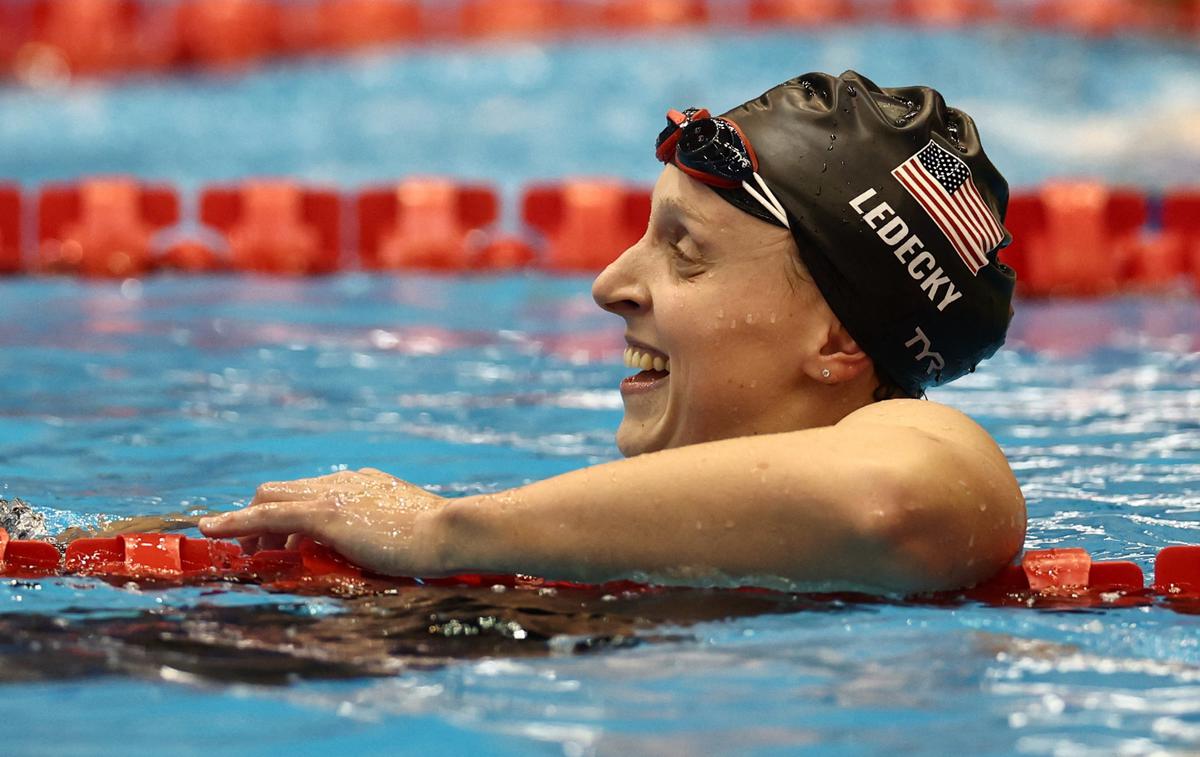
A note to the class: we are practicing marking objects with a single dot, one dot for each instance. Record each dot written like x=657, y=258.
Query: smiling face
x=719, y=297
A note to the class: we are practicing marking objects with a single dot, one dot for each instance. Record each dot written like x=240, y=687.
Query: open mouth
x=653, y=368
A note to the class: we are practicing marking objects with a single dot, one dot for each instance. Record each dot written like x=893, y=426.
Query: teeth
x=643, y=361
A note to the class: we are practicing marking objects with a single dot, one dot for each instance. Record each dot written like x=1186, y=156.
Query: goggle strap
x=772, y=205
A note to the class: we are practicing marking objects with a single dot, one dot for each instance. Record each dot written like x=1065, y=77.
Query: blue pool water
x=1047, y=106
x=171, y=395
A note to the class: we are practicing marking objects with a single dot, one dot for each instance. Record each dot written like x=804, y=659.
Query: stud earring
x=825, y=373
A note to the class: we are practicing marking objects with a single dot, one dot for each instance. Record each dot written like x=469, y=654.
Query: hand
x=350, y=483
x=373, y=519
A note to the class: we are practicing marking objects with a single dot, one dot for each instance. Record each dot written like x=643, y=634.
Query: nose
x=621, y=287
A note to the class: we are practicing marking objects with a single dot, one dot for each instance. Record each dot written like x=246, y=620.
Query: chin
x=632, y=439
x=627, y=446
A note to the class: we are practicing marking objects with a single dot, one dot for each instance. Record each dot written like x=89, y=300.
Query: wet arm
x=869, y=505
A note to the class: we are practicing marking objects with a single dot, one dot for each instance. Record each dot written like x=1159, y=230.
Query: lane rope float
x=1053, y=576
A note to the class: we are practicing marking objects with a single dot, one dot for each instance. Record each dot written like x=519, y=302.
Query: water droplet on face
x=749, y=317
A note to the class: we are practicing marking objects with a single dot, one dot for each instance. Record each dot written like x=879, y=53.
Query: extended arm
x=872, y=503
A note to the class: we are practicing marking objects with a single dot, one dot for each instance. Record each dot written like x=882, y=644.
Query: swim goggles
x=716, y=152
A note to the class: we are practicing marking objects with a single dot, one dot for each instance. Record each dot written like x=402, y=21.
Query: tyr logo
x=936, y=362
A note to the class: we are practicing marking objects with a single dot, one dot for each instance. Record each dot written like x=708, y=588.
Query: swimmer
x=815, y=259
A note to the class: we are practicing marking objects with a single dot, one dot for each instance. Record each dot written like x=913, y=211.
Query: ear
x=839, y=358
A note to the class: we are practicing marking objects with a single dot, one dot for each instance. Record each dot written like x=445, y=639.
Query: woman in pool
x=814, y=260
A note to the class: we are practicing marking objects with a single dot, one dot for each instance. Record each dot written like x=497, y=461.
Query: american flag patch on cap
x=941, y=182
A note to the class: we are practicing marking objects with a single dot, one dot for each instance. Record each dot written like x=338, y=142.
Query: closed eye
x=687, y=261
x=683, y=254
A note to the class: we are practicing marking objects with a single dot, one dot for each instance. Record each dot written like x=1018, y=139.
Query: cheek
x=719, y=325
x=747, y=347
x=696, y=318
x=748, y=326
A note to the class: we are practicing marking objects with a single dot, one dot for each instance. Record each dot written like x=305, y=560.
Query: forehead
x=679, y=194
x=720, y=226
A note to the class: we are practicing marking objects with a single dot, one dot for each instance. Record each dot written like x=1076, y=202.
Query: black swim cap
x=897, y=213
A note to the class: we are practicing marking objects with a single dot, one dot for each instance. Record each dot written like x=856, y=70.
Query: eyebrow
x=684, y=207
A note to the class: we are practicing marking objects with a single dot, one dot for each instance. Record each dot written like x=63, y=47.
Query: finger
x=309, y=488
x=286, y=491
x=253, y=544
x=249, y=544
x=283, y=518
x=272, y=541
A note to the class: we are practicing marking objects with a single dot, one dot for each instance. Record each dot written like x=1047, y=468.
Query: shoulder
x=932, y=441
x=923, y=418
x=960, y=511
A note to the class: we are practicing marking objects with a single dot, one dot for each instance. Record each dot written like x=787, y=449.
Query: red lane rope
x=1057, y=576
x=1075, y=238
x=50, y=41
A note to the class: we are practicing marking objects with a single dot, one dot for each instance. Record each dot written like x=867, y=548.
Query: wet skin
x=760, y=459
x=721, y=294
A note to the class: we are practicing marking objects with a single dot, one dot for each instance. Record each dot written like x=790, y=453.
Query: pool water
x=175, y=394
x=1048, y=106
x=179, y=395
